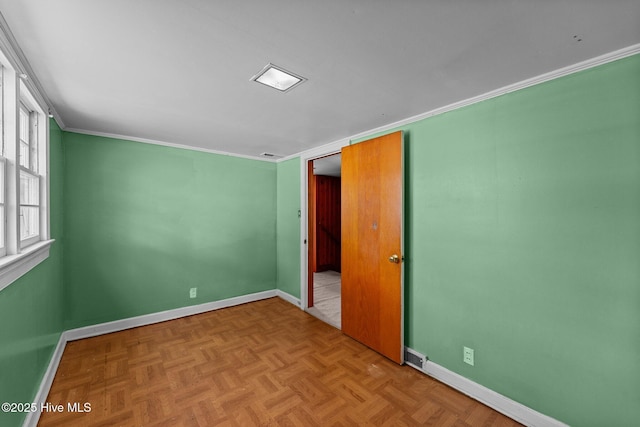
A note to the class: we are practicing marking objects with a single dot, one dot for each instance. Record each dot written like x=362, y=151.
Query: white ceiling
x=178, y=71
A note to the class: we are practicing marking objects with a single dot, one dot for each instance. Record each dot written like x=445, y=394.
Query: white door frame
x=305, y=157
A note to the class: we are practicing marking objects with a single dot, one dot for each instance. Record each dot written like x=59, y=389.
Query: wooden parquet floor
x=265, y=363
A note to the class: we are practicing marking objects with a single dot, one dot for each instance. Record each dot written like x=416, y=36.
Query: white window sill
x=12, y=267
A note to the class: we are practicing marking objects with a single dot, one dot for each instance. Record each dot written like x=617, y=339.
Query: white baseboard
x=289, y=298
x=500, y=403
x=162, y=316
x=41, y=396
x=492, y=399
x=32, y=418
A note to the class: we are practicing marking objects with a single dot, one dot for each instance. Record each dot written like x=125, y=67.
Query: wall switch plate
x=467, y=355
x=193, y=292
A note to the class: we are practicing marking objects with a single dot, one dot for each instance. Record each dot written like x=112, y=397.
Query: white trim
x=580, y=66
x=542, y=78
x=162, y=316
x=315, y=153
x=45, y=385
x=133, y=322
x=12, y=267
x=478, y=392
x=335, y=146
x=166, y=144
x=304, y=234
x=320, y=151
x=19, y=61
x=512, y=409
x=288, y=297
x=481, y=393
x=3, y=205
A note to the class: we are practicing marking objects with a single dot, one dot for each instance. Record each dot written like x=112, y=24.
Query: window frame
x=21, y=140
x=30, y=240
x=33, y=114
x=3, y=204
x=18, y=92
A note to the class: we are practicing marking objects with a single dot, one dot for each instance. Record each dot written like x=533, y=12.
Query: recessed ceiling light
x=278, y=78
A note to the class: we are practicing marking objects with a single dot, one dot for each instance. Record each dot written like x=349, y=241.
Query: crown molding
x=542, y=78
x=336, y=145
x=18, y=61
x=166, y=144
x=319, y=151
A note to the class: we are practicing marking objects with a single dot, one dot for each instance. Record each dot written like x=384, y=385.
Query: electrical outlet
x=467, y=355
x=193, y=292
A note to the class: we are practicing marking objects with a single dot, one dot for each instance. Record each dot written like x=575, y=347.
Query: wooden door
x=372, y=202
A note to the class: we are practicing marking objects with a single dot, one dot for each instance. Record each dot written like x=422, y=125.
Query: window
x=3, y=249
x=24, y=184
x=25, y=136
x=29, y=178
x=29, y=207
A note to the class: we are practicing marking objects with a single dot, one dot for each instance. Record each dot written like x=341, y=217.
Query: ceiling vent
x=270, y=155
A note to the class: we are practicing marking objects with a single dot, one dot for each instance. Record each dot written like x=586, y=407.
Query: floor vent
x=415, y=359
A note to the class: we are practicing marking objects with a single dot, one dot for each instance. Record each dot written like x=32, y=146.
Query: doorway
x=372, y=256
x=324, y=275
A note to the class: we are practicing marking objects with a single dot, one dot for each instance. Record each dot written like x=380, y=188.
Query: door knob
x=394, y=259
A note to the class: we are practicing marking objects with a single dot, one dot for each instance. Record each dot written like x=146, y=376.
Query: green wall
x=523, y=240
x=144, y=223
x=288, y=229
x=31, y=317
